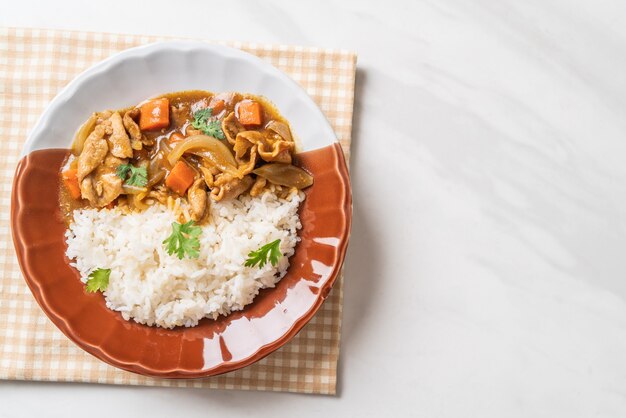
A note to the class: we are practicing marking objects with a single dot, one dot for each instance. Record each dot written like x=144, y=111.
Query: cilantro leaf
x=202, y=120
x=214, y=129
x=202, y=115
x=122, y=171
x=260, y=256
x=98, y=280
x=183, y=240
x=138, y=175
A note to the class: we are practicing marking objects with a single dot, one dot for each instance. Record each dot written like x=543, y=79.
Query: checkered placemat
x=34, y=65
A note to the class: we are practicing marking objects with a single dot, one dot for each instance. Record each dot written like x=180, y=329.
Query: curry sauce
x=183, y=150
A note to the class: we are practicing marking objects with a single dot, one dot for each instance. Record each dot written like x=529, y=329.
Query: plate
x=214, y=346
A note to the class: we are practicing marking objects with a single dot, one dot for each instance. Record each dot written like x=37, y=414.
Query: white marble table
x=486, y=275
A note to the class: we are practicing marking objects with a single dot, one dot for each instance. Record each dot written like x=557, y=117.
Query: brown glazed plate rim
x=38, y=286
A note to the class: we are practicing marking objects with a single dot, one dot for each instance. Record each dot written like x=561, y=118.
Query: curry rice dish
x=182, y=207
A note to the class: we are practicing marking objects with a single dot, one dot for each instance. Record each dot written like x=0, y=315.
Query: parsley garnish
x=98, y=280
x=138, y=175
x=260, y=256
x=184, y=240
x=209, y=127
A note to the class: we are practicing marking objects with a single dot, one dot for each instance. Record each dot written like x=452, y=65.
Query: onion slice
x=281, y=129
x=82, y=134
x=133, y=190
x=285, y=175
x=207, y=147
x=158, y=167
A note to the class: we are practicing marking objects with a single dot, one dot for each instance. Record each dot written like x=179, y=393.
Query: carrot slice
x=70, y=179
x=249, y=113
x=176, y=137
x=217, y=106
x=154, y=114
x=180, y=178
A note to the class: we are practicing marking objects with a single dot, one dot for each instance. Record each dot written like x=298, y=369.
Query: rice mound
x=152, y=287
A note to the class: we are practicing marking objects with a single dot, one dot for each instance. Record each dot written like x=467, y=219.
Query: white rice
x=154, y=288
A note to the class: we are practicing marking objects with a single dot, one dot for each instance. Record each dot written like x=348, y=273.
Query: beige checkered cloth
x=34, y=65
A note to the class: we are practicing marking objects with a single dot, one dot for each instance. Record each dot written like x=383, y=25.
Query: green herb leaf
x=260, y=256
x=122, y=171
x=98, y=280
x=203, y=115
x=202, y=120
x=138, y=175
x=183, y=240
